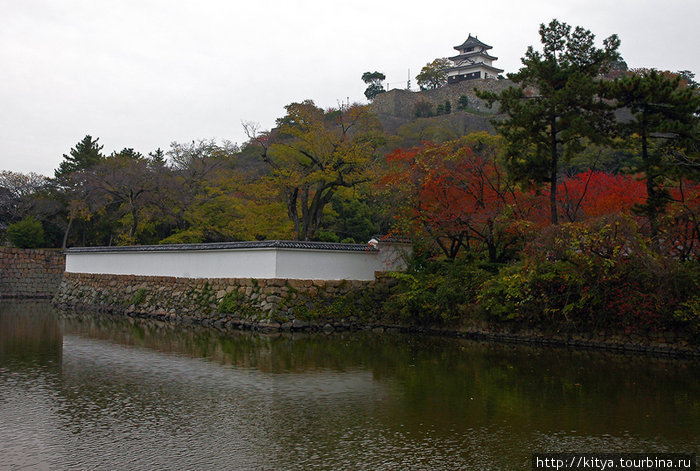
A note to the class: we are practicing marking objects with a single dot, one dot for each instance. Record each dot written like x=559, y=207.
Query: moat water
x=97, y=392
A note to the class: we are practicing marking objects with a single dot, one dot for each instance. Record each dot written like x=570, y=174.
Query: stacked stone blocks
x=30, y=273
x=238, y=302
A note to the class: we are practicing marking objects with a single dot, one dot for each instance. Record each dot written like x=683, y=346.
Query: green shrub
x=327, y=236
x=423, y=109
x=302, y=312
x=190, y=236
x=536, y=293
x=463, y=102
x=232, y=302
x=139, y=297
x=26, y=234
x=688, y=313
x=437, y=291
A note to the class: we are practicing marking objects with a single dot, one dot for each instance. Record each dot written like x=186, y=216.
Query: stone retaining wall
x=271, y=305
x=30, y=273
x=401, y=103
x=263, y=304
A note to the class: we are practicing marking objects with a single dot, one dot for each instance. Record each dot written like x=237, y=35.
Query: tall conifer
x=85, y=154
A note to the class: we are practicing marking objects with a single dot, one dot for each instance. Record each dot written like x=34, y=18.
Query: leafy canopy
x=313, y=153
x=433, y=74
x=26, y=234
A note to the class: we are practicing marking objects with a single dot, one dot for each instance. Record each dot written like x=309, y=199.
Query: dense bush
x=436, y=292
x=184, y=237
x=26, y=234
x=326, y=236
x=423, y=109
x=595, y=275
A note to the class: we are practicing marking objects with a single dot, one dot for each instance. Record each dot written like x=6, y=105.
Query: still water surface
x=97, y=392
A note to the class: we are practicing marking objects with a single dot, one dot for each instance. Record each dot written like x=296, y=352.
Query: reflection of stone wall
x=26, y=273
x=29, y=332
x=235, y=302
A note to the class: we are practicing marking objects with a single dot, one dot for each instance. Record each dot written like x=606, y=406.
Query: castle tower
x=472, y=62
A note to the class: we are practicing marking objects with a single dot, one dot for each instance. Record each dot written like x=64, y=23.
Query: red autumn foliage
x=593, y=194
x=457, y=194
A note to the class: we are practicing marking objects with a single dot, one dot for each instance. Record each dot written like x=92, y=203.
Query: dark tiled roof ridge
x=472, y=41
x=391, y=238
x=254, y=244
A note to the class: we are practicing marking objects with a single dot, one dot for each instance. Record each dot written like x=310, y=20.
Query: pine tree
x=560, y=108
x=666, y=125
x=374, y=81
x=85, y=154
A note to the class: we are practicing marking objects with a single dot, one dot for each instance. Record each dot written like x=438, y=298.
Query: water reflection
x=29, y=333
x=127, y=393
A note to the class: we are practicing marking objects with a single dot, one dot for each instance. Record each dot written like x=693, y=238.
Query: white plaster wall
x=327, y=265
x=240, y=263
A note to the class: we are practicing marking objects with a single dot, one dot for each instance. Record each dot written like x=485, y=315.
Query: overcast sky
x=144, y=73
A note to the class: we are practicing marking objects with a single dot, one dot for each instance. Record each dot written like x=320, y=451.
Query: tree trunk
x=135, y=222
x=553, y=170
x=65, y=234
x=292, y=196
x=651, y=208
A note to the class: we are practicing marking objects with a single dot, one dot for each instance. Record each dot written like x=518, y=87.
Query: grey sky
x=144, y=73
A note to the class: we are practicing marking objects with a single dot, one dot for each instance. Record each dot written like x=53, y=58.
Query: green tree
x=124, y=182
x=71, y=184
x=557, y=105
x=229, y=208
x=128, y=153
x=194, y=166
x=17, y=194
x=313, y=153
x=85, y=154
x=666, y=128
x=463, y=102
x=423, y=109
x=157, y=158
x=26, y=234
x=688, y=77
x=353, y=217
x=374, y=84
x=433, y=74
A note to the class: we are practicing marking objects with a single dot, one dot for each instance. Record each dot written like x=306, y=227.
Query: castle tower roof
x=471, y=42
